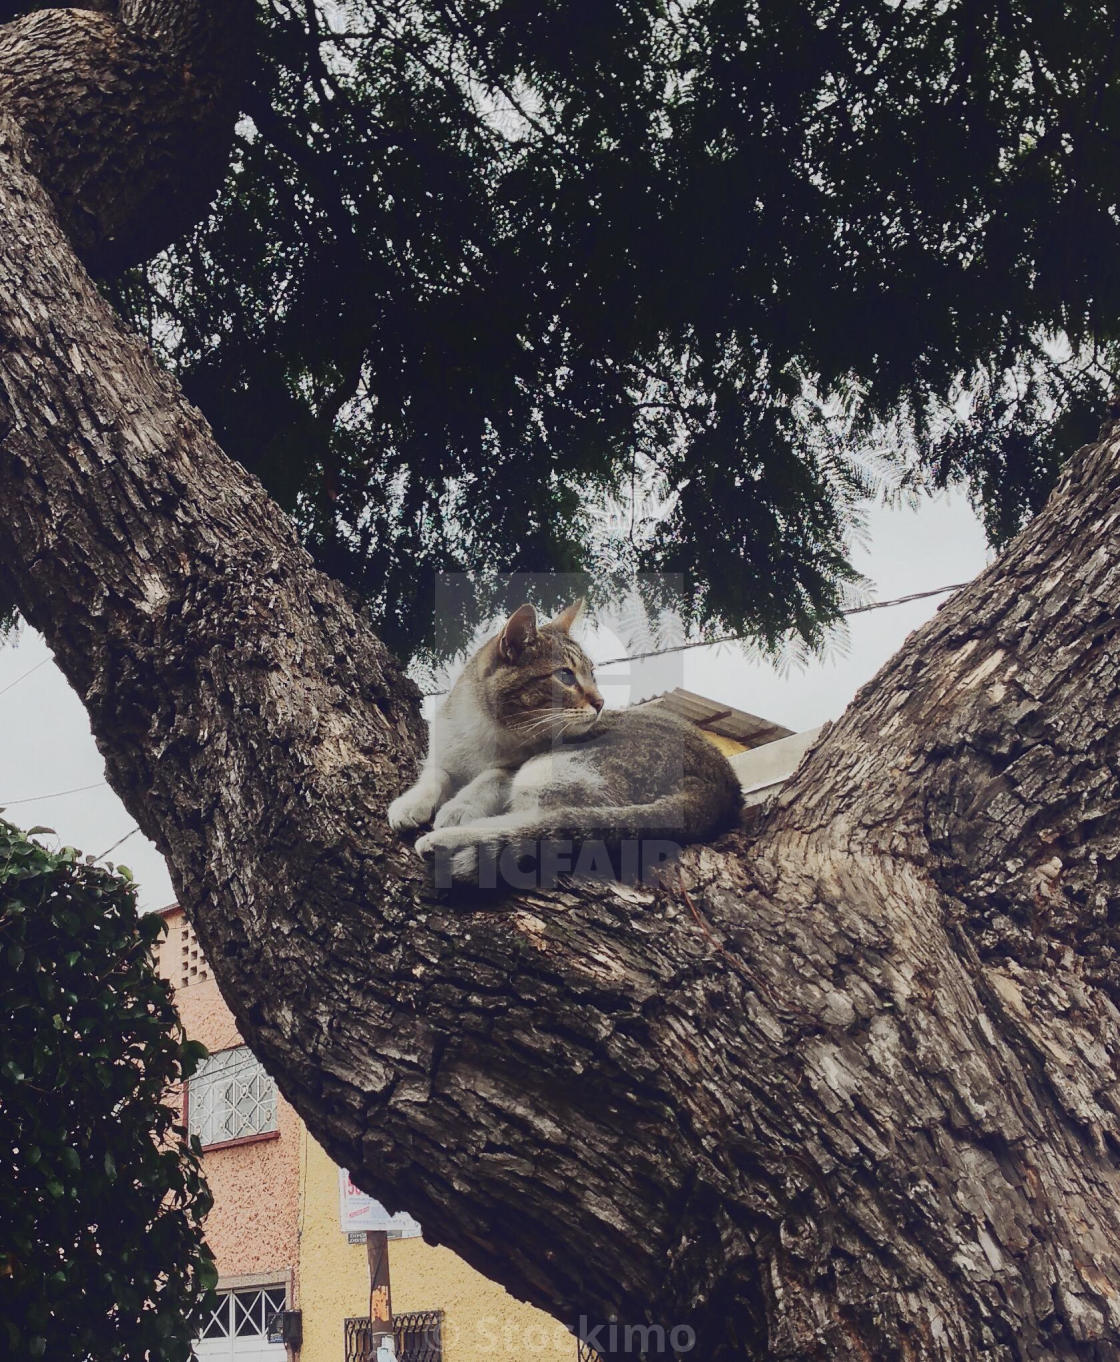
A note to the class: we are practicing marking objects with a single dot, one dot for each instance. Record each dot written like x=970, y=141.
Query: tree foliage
x=101, y=1248
x=503, y=285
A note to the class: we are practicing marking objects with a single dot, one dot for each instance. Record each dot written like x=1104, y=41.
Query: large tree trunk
x=846, y=1089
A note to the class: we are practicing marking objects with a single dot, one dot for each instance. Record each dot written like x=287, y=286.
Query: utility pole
x=383, y=1346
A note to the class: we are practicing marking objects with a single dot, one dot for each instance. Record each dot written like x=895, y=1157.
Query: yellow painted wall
x=481, y=1323
x=728, y=746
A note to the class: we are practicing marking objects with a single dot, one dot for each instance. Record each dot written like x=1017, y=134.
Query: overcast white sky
x=46, y=746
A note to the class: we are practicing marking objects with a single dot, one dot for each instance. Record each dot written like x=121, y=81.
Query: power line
x=739, y=638
x=904, y=600
x=118, y=842
x=34, y=799
x=25, y=675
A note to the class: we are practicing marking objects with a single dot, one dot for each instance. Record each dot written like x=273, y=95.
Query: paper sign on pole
x=358, y=1211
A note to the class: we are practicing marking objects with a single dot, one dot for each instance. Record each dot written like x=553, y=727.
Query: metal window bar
x=358, y=1340
x=419, y=1337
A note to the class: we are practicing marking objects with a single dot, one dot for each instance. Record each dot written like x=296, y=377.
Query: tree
x=101, y=1248
x=845, y=1088
x=636, y=255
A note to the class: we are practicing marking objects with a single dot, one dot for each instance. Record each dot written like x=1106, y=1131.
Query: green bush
x=101, y=1248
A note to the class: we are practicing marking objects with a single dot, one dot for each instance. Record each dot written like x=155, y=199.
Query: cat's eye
x=565, y=676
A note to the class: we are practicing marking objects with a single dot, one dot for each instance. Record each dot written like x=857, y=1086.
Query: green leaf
x=207, y=1274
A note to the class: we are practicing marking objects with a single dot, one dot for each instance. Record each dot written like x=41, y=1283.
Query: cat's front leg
x=417, y=805
x=485, y=795
x=458, y=853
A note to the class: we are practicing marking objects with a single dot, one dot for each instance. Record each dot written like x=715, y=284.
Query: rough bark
x=845, y=1088
x=129, y=115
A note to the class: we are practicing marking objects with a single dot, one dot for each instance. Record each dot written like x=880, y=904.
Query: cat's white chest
x=466, y=741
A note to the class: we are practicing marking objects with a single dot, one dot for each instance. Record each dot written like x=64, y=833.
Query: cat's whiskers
x=557, y=720
x=537, y=730
x=574, y=721
x=535, y=721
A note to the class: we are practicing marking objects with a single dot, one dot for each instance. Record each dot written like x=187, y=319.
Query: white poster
x=357, y=1211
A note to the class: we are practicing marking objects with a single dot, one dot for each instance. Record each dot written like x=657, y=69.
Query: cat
x=522, y=751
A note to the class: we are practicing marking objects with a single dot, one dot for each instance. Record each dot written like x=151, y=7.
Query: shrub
x=101, y=1248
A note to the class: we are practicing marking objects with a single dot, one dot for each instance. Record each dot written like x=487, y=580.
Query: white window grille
x=244, y=1314
x=230, y=1097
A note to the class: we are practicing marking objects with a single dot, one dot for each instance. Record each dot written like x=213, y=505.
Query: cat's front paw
x=454, y=860
x=455, y=812
x=411, y=809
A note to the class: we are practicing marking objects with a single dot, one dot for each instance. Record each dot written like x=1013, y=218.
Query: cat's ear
x=519, y=631
x=566, y=618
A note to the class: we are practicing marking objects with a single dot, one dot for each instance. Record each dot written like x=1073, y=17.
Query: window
x=238, y=1328
x=230, y=1098
x=244, y=1314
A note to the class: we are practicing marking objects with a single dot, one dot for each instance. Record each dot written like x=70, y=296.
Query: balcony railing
x=419, y=1337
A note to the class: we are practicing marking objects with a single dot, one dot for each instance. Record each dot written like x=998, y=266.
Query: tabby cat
x=521, y=752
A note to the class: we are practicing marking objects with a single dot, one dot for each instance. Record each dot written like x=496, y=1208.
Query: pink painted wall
x=254, y=1225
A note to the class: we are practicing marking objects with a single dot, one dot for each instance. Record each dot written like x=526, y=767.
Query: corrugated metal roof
x=723, y=720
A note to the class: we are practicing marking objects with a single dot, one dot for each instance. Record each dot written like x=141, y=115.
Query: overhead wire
x=24, y=675
x=118, y=842
x=57, y=794
x=739, y=638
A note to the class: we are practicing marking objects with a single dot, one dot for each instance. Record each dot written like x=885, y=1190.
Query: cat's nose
x=597, y=701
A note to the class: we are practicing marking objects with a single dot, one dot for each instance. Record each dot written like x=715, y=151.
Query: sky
x=52, y=775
